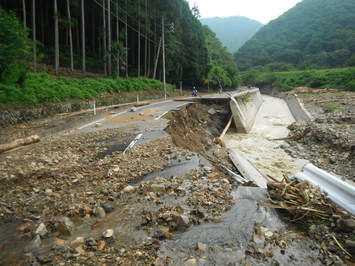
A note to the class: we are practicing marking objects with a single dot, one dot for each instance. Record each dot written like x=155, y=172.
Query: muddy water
x=259, y=147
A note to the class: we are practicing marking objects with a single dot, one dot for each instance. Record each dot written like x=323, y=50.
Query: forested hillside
x=116, y=37
x=233, y=31
x=315, y=34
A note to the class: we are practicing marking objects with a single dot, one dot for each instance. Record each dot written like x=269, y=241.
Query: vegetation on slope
x=223, y=68
x=43, y=88
x=342, y=78
x=186, y=49
x=314, y=34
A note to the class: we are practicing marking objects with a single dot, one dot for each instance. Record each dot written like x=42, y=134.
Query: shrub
x=14, y=48
x=41, y=88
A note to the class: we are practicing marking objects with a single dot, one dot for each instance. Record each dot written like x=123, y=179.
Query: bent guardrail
x=340, y=192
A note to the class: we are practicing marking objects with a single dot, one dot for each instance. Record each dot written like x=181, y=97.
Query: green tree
x=15, y=48
x=222, y=64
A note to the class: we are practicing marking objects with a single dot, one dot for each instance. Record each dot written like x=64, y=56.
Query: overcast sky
x=260, y=10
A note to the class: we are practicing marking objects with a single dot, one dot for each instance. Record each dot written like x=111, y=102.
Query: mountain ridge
x=313, y=34
x=243, y=29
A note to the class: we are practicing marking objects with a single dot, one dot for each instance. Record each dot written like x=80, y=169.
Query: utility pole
x=109, y=36
x=24, y=13
x=56, y=37
x=83, y=36
x=104, y=35
x=156, y=60
x=34, y=35
x=163, y=44
x=139, y=49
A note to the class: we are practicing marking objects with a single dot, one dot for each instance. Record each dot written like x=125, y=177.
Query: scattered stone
x=37, y=240
x=80, y=249
x=48, y=192
x=332, y=159
x=91, y=242
x=101, y=245
x=201, y=247
x=108, y=233
x=108, y=207
x=128, y=189
x=64, y=225
x=133, y=109
x=181, y=220
x=41, y=230
x=59, y=241
x=211, y=111
x=98, y=125
x=192, y=261
x=100, y=212
x=157, y=188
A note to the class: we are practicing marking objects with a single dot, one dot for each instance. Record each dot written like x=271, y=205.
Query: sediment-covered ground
x=74, y=199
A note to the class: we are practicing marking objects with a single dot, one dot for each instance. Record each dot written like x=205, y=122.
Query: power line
x=125, y=22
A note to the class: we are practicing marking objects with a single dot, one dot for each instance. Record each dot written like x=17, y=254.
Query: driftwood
x=219, y=139
x=18, y=143
x=141, y=103
x=300, y=200
x=297, y=136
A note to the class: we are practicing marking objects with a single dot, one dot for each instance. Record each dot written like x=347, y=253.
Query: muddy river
x=259, y=147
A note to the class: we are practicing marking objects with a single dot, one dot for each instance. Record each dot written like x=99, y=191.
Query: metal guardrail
x=340, y=192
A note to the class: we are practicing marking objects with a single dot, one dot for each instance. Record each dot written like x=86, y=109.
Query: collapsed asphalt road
x=79, y=199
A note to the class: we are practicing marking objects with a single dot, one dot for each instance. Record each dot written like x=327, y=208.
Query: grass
x=40, y=88
x=331, y=106
x=342, y=78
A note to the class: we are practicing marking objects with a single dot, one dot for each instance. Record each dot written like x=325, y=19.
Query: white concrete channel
x=259, y=120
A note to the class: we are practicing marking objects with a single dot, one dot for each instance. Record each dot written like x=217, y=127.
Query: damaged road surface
x=81, y=197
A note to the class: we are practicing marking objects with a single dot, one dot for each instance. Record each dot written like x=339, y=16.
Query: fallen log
x=218, y=140
x=141, y=103
x=18, y=142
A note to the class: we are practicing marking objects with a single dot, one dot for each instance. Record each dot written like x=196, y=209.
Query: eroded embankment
x=195, y=126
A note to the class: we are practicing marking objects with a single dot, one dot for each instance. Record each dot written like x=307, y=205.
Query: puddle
x=178, y=167
x=228, y=240
x=114, y=144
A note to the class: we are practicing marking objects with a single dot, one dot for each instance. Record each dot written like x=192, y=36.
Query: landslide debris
x=78, y=199
x=330, y=143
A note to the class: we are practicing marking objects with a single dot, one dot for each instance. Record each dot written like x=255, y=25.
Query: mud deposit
x=78, y=200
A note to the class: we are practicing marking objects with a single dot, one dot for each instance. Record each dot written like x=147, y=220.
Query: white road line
x=133, y=143
x=155, y=104
x=87, y=125
x=157, y=118
x=119, y=113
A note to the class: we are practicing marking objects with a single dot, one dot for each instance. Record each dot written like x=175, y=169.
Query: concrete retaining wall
x=296, y=109
x=245, y=105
